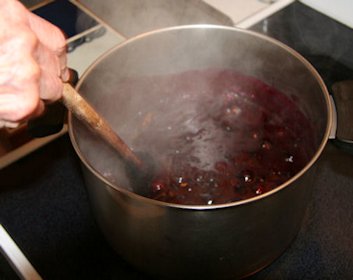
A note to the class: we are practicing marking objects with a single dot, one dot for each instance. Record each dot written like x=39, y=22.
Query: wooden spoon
x=75, y=103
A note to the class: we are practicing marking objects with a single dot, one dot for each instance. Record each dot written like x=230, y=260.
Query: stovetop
x=326, y=43
x=44, y=205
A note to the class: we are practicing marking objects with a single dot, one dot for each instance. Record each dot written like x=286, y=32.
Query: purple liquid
x=242, y=138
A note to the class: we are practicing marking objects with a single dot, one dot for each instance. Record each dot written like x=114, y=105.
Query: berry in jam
x=222, y=137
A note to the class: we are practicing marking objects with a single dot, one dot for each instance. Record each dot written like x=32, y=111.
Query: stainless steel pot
x=224, y=241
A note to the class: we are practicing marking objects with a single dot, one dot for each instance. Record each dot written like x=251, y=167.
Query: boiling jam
x=237, y=137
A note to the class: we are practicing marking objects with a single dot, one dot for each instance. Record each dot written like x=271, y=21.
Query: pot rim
x=288, y=49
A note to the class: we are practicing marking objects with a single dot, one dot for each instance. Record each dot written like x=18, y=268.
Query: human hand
x=32, y=63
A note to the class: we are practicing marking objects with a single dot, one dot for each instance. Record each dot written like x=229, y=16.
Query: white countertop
x=341, y=10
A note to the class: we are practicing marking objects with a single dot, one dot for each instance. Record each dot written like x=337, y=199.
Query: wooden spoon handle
x=75, y=103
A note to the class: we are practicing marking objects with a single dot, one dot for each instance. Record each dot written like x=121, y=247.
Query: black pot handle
x=52, y=121
x=342, y=135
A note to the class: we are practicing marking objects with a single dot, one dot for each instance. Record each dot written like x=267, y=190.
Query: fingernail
x=65, y=74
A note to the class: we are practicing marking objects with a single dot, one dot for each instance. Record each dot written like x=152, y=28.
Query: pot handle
x=342, y=104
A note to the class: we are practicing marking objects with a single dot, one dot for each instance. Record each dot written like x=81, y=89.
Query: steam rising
x=135, y=87
x=162, y=122
x=204, y=117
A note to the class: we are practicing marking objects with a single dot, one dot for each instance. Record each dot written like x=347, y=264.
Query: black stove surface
x=44, y=206
x=323, y=41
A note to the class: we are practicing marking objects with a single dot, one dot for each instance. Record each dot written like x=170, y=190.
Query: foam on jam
x=227, y=137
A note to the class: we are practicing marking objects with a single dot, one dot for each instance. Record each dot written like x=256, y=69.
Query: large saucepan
x=195, y=242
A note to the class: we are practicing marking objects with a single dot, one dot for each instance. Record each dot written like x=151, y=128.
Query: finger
x=16, y=107
x=51, y=87
x=50, y=83
x=48, y=34
x=8, y=124
x=65, y=74
x=38, y=110
x=13, y=115
x=52, y=38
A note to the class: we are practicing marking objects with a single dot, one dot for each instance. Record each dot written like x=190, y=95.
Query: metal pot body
x=225, y=241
